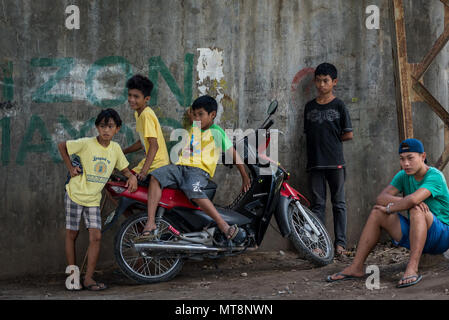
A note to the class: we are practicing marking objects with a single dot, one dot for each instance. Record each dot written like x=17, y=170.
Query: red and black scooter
x=185, y=232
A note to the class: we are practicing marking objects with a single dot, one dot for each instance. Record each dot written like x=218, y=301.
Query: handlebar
x=268, y=125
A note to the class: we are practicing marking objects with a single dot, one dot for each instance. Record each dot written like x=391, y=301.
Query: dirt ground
x=256, y=275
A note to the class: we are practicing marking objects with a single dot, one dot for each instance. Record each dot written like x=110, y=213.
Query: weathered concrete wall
x=54, y=81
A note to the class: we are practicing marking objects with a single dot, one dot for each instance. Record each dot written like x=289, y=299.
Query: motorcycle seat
x=209, y=190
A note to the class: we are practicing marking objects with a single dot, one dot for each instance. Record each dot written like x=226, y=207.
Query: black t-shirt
x=324, y=125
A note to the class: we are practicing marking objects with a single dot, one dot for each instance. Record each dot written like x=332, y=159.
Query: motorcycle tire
x=143, y=269
x=317, y=249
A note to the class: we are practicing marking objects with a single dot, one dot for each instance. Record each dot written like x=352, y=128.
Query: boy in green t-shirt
x=195, y=166
x=426, y=230
x=99, y=157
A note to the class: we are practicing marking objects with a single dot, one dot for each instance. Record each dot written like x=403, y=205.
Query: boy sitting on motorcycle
x=195, y=166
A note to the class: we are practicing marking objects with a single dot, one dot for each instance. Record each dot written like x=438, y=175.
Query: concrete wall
x=54, y=81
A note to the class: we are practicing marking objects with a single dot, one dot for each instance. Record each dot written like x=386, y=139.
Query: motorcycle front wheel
x=317, y=248
x=144, y=267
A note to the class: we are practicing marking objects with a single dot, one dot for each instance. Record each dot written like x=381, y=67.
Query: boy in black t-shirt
x=326, y=125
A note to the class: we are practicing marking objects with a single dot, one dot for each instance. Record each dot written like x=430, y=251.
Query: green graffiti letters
x=65, y=66
x=60, y=69
x=75, y=134
x=158, y=66
x=47, y=145
x=5, y=124
x=99, y=64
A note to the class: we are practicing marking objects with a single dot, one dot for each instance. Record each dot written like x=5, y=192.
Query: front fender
x=281, y=216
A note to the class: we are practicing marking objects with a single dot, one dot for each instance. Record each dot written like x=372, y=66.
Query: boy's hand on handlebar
x=141, y=176
x=131, y=183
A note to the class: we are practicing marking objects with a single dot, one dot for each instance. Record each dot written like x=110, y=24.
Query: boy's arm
x=131, y=183
x=133, y=148
x=388, y=202
x=389, y=194
x=152, y=150
x=246, y=181
x=74, y=171
x=347, y=136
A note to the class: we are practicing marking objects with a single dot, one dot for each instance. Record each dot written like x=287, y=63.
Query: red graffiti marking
x=300, y=76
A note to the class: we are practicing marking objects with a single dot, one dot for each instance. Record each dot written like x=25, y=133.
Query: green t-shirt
x=433, y=181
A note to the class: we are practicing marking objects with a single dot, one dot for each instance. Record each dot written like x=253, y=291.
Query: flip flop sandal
x=345, y=277
x=100, y=287
x=235, y=235
x=147, y=235
x=404, y=285
x=232, y=232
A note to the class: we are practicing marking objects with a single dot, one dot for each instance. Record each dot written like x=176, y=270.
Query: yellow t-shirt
x=98, y=163
x=147, y=126
x=204, y=148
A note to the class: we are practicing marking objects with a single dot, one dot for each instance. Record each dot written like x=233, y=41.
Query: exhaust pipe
x=184, y=248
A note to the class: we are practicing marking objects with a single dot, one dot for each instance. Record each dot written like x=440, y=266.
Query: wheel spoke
x=146, y=266
x=318, y=245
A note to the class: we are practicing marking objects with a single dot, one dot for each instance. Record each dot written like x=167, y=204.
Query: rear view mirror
x=272, y=107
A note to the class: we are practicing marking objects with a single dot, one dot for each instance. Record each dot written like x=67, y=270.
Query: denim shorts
x=437, y=241
x=190, y=180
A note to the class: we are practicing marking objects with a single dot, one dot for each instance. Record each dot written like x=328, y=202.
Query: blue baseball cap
x=411, y=145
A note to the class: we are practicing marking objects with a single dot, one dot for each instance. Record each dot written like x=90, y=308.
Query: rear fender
x=123, y=205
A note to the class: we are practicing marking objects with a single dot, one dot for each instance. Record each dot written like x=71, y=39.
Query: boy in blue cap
x=425, y=230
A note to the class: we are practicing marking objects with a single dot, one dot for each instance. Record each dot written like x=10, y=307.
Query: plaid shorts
x=73, y=212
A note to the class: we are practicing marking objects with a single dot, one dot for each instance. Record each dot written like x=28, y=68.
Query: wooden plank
x=436, y=48
x=431, y=101
x=446, y=14
x=402, y=76
x=443, y=160
x=414, y=97
x=441, y=112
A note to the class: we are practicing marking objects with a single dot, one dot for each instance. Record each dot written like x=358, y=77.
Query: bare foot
x=349, y=271
x=339, y=250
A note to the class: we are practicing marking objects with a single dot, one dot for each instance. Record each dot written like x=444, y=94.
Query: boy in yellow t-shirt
x=99, y=156
x=196, y=165
x=148, y=128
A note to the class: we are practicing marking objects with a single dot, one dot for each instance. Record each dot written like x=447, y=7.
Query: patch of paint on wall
x=210, y=75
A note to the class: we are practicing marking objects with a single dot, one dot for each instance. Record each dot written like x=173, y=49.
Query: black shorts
x=190, y=180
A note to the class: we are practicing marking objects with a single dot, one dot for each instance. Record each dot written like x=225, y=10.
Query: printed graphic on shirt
x=100, y=169
x=323, y=115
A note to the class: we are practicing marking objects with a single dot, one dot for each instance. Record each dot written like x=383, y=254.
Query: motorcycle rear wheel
x=144, y=268
x=316, y=248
